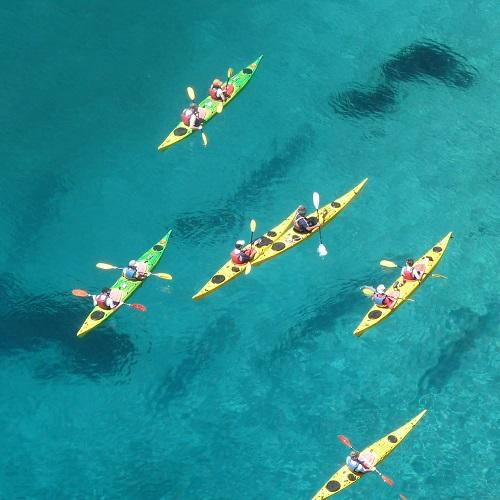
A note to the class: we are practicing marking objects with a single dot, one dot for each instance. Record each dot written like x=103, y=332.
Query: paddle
x=322, y=251
x=368, y=291
x=390, y=264
x=220, y=106
x=83, y=293
x=191, y=94
x=386, y=479
x=107, y=267
x=253, y=225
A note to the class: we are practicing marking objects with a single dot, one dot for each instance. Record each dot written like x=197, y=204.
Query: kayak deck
x=430, y=260
x=127, y=287
x=239, y=81
x=382, y=448
x=230, y=270
x=291, y=237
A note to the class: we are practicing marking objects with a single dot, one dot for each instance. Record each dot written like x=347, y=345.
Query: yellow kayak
x=230, y=270
x=428, y=261
x=291, y=238
x=382, y=448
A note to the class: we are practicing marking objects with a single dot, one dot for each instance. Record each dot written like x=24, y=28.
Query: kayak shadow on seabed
x=33, y=323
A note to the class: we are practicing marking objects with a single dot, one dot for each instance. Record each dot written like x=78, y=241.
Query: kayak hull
x=327, y=213
x=429, y=261
x=97, y=316
x=382, y=448
x=230, y=270
x=239, y=81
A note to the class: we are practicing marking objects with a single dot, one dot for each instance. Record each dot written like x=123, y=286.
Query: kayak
x=291, y=237
x=382, y=448
x=127, y=287
x=239, y=81
x=230, y=270
x=401, y=291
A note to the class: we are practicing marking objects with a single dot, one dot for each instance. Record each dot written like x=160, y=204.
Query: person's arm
x=192, y=121
x=94, y=299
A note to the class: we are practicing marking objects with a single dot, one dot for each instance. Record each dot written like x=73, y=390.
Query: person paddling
x=381, y=298
x=301, y=224
x=411, y=273
x=220, y=91
x=360, y=463
x=240, y=256
x=107, y=299
x=193, y=116
x=136, y=271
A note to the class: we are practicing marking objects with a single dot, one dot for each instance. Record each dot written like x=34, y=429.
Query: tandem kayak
x=127, y=287
x=231, y=270
x=291, y=237
x=239, y=81
x=402, y=290
x=382, y=448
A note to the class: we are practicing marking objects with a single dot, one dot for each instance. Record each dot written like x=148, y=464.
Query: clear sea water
x=242, y=395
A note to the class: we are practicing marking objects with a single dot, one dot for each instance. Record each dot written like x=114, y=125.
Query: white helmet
x=381, y=289
x=132, y=263
x=240, y=244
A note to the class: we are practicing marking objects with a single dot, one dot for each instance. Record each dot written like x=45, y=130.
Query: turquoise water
x=242, y=395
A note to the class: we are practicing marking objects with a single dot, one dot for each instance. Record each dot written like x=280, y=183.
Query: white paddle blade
x=204, y=139
x=316, y=200
x=248, y=268
x=322, y=251
x=190, y=93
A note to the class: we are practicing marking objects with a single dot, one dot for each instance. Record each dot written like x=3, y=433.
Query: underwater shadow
x=32, y=324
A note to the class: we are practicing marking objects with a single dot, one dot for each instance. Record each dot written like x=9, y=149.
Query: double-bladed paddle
x=253, y=225
x=83, y=293
x=390, y=264
x=191, y=94
x=107, y=267
x=322, y=251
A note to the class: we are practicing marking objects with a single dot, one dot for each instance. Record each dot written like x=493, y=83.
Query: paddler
x=107, y=299
x=409, y=273
x=361, y=463
x=380, y=297
x=193, y=116
x=301, y=224
x=219, y=91
x=136, y=271
x=240, y=256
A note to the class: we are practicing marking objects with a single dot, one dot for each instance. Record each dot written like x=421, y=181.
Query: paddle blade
x=402, y=497
x=316, y=200
x=80, y=293
x=253, y=225
x=248, y=268
x=164, y=276
x=388, y=263
x=103, y=265
x=230, y=72
x=220, y=107
x=322, y=251
x=345, y=441
x=387, y=480
x=190, y=93
x=367, y=291
x=204, y=138
x=139, y=307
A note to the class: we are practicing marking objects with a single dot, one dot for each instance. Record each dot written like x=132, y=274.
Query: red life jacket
x=185, y=116
x=408, y=275
x=235, y=256
x=228, y=90
x=101, y=301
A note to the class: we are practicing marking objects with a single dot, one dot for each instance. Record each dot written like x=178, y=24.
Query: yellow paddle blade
x=190, y=93
x=367, y=291
x=103, y=265
x=253, y=225
x=388, y=263
x=439, y=276
x=230, y=72
x=204, y=138
x=248, y=268
x=220, y=107
x=164, y=276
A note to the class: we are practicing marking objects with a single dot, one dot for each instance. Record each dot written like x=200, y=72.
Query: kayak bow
x=382, y=448
x=239, y=80
x=127, y=287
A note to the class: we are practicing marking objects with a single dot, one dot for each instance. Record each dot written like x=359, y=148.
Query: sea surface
x=243, y=394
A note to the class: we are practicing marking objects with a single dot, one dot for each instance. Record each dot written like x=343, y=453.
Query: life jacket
x=296, y=224
x=355, y=466
x=213, y=92
x=101, y=301
x=130, y=273
x=408, y=274
x=186, y=115
x=379, y=298
x=235, y=256
x=228, y=90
